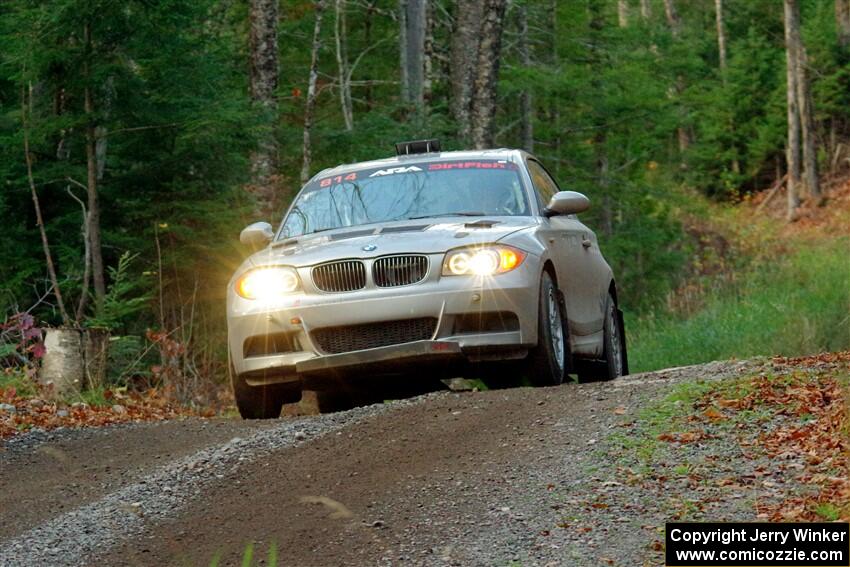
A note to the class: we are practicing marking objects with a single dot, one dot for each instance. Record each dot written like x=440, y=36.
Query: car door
x=574, y=250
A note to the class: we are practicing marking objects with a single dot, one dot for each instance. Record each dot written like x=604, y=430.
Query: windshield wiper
x=462, y=214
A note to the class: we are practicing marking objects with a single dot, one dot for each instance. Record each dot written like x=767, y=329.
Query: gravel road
x=473, y=478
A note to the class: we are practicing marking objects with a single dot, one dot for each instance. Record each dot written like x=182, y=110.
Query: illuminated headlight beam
x=482, y=261
x=268, y=284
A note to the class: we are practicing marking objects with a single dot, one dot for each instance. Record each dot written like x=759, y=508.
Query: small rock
x=119, y=409
x=378, y=524
x=35, y=403
x=80, y=406
x=8, y=408
x=300, y=435
x=62, y=413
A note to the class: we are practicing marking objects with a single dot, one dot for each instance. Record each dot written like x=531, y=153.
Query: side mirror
x=567, y=203
x=257, y=234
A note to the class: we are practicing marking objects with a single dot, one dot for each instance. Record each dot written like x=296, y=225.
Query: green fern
x=122, y=300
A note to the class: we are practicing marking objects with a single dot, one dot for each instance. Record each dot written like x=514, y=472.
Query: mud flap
x=622, y=325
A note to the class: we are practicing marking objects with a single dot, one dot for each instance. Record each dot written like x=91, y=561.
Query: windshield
x=415, y=190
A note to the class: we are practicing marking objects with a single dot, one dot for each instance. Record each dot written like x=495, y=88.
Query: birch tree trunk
x=264, y=81
x=807, y=121
x=842, y=22
x=404, y=66
x=489, y=55
x=721, y=55
x=367, y=36
x=98, y=271
x=622, y=13
x=645, y=10
x=340, y=31
x=598, y=61
x=555, y=108
x=675, y=23
x=311, y=92
x=428, y=53
x=605, y=188
x=673, y=19
x=466, y=38
x=525, y=100
x=721, y=37
x=414, y=18
x=793, y=149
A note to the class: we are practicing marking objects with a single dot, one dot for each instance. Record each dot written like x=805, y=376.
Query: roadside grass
x=271, y=559
x=795, y=302
x=17, y=381
x=95, y=397
x=828, y=511
x=801, y=413
x=657, y=419
x=674, y=417
x=25, y=387
x=36, y=407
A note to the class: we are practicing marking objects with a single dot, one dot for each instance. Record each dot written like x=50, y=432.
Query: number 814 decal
x=337, y=179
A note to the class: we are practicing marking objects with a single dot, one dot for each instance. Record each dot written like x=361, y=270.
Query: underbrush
x=12, y=380
x=793, y=301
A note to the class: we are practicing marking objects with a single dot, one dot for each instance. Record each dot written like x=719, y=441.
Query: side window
x=542, y=181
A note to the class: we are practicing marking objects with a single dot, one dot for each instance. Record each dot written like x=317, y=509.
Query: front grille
x=335, y=340
x=347, y=275
x=391, y=271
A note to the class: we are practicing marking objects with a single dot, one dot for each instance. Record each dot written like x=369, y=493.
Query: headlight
x=483, y=261
x=267, y=283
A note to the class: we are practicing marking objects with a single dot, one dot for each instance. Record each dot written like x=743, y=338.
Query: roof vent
x=417, y=147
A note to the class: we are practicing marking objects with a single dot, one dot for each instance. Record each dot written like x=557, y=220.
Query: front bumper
x=446, y=299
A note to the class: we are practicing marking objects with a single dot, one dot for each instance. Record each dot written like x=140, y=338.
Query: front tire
x=546, y=364
x=262, y=402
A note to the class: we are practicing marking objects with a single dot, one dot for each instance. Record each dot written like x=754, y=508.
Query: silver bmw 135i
x=402, y=271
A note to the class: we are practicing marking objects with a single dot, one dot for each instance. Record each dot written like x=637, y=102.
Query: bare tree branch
x=84, y=292
x=106, y=134
x=26, y=107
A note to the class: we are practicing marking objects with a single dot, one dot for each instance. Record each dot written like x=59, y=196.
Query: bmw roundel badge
x=369, y=248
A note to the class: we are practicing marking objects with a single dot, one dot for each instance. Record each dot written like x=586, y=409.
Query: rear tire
x=615, y=361
x=547, y=363
x=262, y=402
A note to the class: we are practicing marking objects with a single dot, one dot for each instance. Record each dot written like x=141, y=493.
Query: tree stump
x=73, y=360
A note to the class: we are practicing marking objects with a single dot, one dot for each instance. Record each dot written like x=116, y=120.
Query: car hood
x=425, y=236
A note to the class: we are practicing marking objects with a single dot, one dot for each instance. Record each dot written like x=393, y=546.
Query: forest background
x=138, y=137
